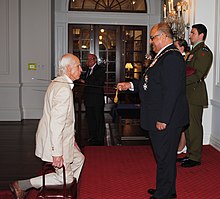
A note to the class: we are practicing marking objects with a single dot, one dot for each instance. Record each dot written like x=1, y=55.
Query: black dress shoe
x=152, y=197
x=190, y=163
x=152, y=191
x=182, y=159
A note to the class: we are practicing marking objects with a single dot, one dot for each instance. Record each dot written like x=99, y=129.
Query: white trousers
x=72, y=170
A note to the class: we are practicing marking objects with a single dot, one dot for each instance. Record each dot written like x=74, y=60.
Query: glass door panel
x=134, y=51
x=120, y=50
x=107, y=51
x=79, y=42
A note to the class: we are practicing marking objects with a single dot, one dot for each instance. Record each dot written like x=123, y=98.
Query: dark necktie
x=88, y=73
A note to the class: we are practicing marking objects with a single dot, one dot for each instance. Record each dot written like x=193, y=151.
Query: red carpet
x=126, y=172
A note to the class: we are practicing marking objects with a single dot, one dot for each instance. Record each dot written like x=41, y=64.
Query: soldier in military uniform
x=200, y=59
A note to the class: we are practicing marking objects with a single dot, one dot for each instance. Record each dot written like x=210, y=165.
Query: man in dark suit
x=164, y=107
x=200, y=59
x=94, y=100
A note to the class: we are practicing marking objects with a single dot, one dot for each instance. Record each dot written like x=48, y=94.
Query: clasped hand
x=160, y=126
x=123, y=86
x=57, y=161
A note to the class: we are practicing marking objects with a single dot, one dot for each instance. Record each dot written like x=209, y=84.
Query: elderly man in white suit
x=55, y=137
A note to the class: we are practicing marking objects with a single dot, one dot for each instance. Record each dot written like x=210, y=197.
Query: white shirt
x=91, y=69
x=69, y=81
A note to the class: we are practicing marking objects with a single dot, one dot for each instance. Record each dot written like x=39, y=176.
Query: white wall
x=9, y=64
x=215, y=100
x=25, y=38
x=200, y=7
x=35, y=47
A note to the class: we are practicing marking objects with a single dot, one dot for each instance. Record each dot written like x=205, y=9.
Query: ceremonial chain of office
x=145, y=76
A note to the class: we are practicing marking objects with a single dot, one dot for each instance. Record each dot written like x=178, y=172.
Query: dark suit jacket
x=165, y=98
x=94, y=92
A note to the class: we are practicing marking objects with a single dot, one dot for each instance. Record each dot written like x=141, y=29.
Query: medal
x=146, y=78
x=145, y=82
x=145, y=86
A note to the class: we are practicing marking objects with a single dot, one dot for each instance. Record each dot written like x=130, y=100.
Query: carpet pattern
x=126, y=172
x=116, y=172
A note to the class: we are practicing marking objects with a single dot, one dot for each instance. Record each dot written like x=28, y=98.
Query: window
x=121, y=49
x=134, y=51
x=109, y=5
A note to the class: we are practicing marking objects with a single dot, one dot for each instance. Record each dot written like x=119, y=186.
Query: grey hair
x=63, y=63
x=164, y=28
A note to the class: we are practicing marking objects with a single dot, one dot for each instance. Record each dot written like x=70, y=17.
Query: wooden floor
x=17, y=145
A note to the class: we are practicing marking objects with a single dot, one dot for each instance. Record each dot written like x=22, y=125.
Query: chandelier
x=177, y=17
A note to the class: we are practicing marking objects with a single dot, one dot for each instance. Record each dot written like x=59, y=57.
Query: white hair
x=63, y=63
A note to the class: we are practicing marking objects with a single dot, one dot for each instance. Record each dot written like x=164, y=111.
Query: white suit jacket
x=56, y=134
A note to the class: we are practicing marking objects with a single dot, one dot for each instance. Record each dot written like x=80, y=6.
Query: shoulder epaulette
x=205, y=48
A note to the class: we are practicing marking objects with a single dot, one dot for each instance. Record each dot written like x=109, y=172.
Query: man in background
x=94, y=100
x=200, y=59
x=55, y=137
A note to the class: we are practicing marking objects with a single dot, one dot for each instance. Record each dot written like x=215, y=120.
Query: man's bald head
x=69, y=65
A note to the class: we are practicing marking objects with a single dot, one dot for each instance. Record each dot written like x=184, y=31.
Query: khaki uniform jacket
x=55, y=134
x=199, y=58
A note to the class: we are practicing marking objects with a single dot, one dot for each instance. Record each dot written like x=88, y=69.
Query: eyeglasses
x=152, y=37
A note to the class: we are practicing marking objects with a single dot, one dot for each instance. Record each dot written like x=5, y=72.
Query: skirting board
x=215, y=143
x=10, y=115
x=32, y=113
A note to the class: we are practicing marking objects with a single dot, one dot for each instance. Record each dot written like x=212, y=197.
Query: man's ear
x=68, y=69
x=201, y=36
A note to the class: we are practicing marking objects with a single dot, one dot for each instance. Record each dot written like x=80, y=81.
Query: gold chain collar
x=155, y=59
